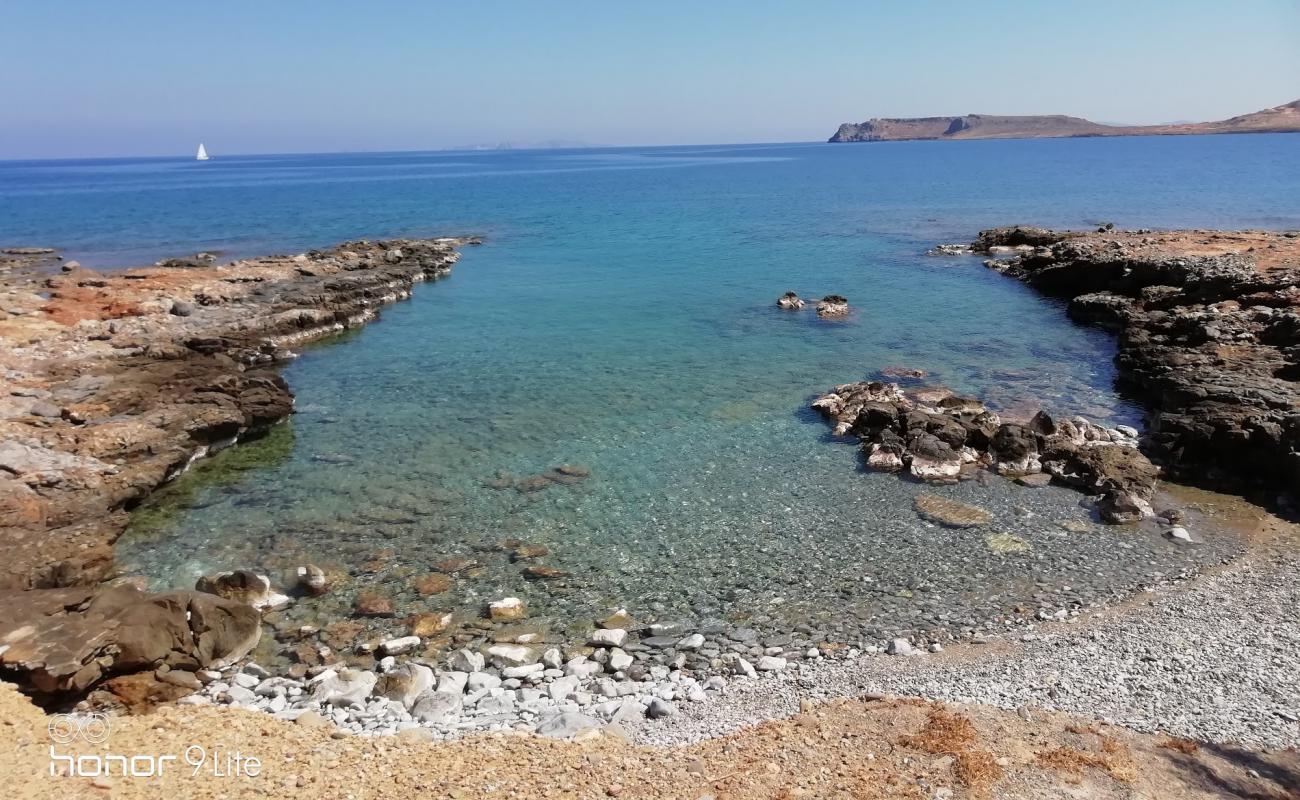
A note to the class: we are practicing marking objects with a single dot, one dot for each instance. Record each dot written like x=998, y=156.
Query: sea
x=619, y=318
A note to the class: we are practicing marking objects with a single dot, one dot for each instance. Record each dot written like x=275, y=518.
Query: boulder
x=243, y=586
x=67, y=640
x=789, y=302
x=1119, y=507
x=404, y=683
x=1014, y=449
x=345, y=687
x=932, y=460
x=567, y=725
x=885, y=456
x=437, y=708
x=465, y=660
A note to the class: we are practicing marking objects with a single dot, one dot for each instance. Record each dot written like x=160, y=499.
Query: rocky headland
x=1209, y=342
x=113, y=383
x=1208, y=324
x=1279, y=119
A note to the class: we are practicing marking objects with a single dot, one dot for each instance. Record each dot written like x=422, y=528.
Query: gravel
x=1214, y=660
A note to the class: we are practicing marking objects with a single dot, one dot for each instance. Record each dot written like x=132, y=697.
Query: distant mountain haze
x=1279, y=119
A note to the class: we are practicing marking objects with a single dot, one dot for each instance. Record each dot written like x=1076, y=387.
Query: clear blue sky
x=130, y=77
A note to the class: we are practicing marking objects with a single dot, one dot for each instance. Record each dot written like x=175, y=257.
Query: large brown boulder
x=67, y=640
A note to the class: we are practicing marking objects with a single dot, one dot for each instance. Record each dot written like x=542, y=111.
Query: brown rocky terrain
x=859, y=748
x=1280, y=119
x=113, y=383
x=1208, y=326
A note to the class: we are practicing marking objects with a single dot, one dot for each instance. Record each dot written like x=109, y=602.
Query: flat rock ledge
x=1209, y=337
x=113, y=383
x=939, y=437
x=59, y=642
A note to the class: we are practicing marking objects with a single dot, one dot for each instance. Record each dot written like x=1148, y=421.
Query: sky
x=131, y=77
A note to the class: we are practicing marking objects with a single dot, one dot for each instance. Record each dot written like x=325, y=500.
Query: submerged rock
x=1002, y=542
x=312, y=580
x=429, y=623
x=431, y=584
x=370, y=603
x=507, y=609
x=951, y=513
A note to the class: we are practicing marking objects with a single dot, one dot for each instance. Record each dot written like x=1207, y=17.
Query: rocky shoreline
x=119, y=381
x=113, y=384
x=1207, y=324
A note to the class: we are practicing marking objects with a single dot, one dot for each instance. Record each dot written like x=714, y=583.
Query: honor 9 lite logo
x=88, y=731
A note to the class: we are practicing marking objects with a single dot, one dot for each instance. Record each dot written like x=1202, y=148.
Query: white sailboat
x=202, y=155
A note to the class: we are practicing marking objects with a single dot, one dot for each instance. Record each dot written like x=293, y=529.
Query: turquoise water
x=621, y=317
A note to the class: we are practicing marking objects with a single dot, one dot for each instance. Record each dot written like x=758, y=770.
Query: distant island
x=1281, y=119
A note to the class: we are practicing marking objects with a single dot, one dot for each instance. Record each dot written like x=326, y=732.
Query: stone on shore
x=567, y=725
x=609, y=637
x=404, y=683
x=344, y=687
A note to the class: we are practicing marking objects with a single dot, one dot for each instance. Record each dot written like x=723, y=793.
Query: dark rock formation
x=1209, y=338
x=789, y=302
x=833, y=305
x=938, y=437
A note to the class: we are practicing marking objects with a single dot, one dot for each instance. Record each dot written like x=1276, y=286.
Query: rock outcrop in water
x=833, y=306
x=789, y=302
x=938, y=437
x=1209, y=337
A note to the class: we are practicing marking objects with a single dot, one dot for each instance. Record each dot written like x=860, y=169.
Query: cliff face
x=1281, y=119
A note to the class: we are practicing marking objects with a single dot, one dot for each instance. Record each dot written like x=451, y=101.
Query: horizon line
x=458, y=149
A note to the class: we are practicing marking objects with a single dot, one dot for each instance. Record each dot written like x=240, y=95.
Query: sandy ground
x=852, y=748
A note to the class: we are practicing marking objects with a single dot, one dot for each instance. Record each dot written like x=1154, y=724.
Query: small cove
x=620, y=318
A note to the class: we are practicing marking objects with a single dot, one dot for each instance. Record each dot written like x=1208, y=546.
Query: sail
x=202, y=154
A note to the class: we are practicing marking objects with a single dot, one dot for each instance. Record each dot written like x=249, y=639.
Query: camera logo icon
x=67, y=728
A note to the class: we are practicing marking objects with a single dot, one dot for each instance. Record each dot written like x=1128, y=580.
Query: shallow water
x=621, y=318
